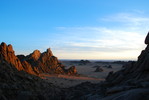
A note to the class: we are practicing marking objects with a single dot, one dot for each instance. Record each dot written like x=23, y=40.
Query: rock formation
x=35, y=63
x=72, y=70
x=81, y=62
x=107, y=66
x=99, y=69
x=147, y=39
x=7, y=53
x=19, y=85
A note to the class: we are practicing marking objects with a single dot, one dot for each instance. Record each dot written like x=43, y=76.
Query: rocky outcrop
x=7, y=53
x=46, y=62
x=19, y=85
x=35, y=63
x=35, y=55
x=98, y=69
x=147, y=39
x=81, y=62
x=72, y=71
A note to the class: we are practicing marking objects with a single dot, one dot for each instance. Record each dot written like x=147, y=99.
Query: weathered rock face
x=45, y=62
x=35, y=55
x=7, y=53
x=35, y=63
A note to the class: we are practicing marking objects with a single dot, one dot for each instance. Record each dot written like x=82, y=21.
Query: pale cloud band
x=104, y=41
x=122, y=41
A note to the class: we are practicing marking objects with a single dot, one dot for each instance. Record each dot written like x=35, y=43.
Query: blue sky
x=76, y=29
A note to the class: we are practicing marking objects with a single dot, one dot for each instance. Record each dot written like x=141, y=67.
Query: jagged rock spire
x=36, y=54
x=147, y=39
x=36, y=62
x=7, y=54
x=49, y=52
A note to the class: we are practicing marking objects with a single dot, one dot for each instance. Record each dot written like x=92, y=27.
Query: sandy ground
x=65, y=81
x=88, y=69
x=86, y=72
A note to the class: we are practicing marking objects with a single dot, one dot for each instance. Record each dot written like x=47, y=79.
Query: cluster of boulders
x=81, y=62
x=84, y=62
x=100, y=69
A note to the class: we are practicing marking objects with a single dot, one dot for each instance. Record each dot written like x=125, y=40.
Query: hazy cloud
x=126, y=39
x=132, y=21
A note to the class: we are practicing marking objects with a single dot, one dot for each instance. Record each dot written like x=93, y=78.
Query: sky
x=76, y=29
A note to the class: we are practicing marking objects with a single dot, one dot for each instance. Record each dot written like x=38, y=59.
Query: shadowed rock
x=72, y=71
x=147, y=39
x=18, y=85
x=99, y=69
x=96, y=66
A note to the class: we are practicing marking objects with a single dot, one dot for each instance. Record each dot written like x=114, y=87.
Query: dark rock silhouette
x=84, y=62
x=147, y=39
x=99, y=69
x=96, y=66
x=81, y=62
x=109, y=66
x=72, y=70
